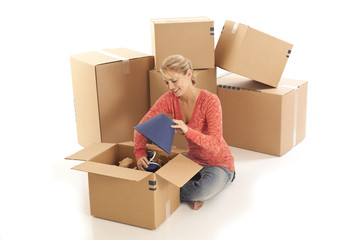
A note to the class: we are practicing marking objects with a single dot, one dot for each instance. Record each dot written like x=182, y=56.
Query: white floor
x=312, y=192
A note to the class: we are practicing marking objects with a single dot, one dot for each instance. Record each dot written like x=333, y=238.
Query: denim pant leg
x=212, y=180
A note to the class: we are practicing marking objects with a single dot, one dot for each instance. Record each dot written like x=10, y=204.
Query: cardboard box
x=251, y=53
x=191, y=37
x=261, y=118
x=134, y=197
x=205, y=79
x=111, y=93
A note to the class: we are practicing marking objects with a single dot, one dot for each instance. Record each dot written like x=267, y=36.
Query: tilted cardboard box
x=134, y=197
x=191, y=37
x=111, y=93
x=251, y=53
x=205, y=79
x=261, y=118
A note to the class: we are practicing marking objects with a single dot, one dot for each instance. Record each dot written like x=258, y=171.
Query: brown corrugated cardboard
x=261, y=118
x=205, y=79
x=191, y=37
x=251, y=53
x=111, y=93
x=131, y=196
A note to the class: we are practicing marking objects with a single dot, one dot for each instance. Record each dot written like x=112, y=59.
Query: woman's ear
x=189, y=72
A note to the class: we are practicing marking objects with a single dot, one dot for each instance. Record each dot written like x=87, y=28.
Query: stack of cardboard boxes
x=261, y=111
x=114, y=88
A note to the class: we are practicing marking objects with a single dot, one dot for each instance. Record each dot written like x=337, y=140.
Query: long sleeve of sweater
x=162, y=105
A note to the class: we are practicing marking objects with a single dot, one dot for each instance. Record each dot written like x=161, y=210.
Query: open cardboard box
x=135, y=197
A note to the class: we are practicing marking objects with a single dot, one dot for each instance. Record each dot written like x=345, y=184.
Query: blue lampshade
x=158, y=130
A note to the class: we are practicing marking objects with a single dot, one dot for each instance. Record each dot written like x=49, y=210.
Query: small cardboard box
x=205, y=79
x=130, y=196
x=111, y=93
x=251, y=53
x=261, y=118
x=191, y=37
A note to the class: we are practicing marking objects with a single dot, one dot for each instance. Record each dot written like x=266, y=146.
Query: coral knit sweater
x=204, y=138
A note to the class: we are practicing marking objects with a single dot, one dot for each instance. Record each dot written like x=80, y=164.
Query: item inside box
x=154, y=157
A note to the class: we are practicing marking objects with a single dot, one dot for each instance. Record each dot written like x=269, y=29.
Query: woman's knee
x=212, y=181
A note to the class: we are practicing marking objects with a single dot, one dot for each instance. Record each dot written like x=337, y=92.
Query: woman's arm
x=162, y=105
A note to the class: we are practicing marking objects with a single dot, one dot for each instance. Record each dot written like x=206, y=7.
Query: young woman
x=198, y=117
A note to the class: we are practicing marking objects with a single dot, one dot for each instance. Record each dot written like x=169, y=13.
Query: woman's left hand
x=180, y=126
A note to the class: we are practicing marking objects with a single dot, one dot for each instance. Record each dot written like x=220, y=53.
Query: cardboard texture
x=103, y=84
x=261, y=118
x=131, y=196
x=246, y=51
x=191, y=37
x=158, y=130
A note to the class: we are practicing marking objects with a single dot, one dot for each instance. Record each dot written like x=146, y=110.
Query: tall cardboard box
x=261, y=118
x=111, y=93
x=132, y=196
x=191, y=37
x=205, y=79
x=251, y=53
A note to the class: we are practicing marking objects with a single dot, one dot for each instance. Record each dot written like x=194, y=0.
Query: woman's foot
x=197, y=205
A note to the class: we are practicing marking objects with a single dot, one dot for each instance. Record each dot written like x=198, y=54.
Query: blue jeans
x=208, y=182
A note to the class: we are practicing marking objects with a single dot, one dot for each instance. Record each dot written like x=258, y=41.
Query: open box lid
x=112, y=171
x=90, y=151
x=179, y=170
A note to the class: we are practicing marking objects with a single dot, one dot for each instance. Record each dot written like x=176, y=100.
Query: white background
x=312, y=192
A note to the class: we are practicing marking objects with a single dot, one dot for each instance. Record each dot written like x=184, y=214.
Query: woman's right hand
x=142, y=162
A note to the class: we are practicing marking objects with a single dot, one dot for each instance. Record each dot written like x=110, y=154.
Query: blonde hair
x=178, y=64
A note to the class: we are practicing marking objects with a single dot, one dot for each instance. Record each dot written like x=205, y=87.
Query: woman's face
x=179, y=83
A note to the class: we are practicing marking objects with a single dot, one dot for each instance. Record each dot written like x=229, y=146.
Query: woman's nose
x=170, y=85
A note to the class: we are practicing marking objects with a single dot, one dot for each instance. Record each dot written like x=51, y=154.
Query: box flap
x=179, y=170
x=91, y=151
x=112, y=171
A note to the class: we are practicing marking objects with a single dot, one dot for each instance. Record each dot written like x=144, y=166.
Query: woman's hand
x=142, y=162
x=180, y=126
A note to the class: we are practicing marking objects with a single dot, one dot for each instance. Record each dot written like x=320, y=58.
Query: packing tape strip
x=235, y=27
x=126, y=65
x=295, y=110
